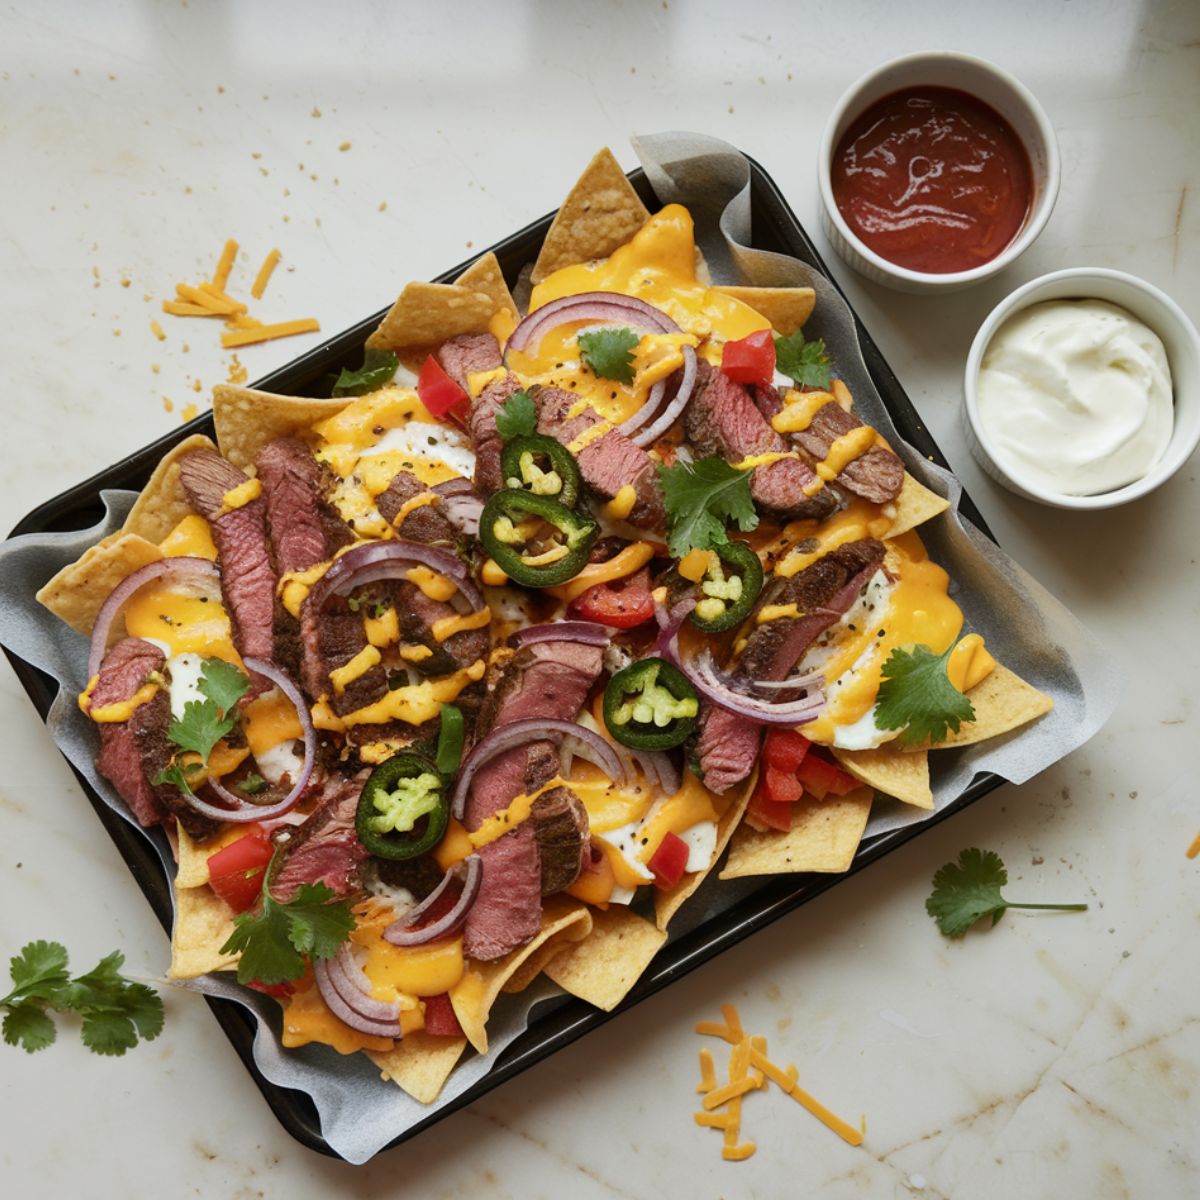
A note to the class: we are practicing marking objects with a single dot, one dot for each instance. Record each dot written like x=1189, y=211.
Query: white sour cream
x=1076, y=396
x=426, y=440
x=185, y=671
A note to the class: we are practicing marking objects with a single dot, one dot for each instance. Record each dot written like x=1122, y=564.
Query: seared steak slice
x=426, y=523
x=721, y=419
x=247, y=580
x=418, y=614
x=508, y=910
x=877, y=475
x=560, y=824
x=485, y=435
x=325, y=849
x=608, y=463
x=468, y=354
x=151, y=724
x=727, y=748
x=330, y=639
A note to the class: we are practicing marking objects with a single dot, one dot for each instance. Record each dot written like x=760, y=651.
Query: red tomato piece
x=623, y=603
x=780, y=787
x=765, y=813
x=235, y=872
x=439, y=393
x=668, y=861
x=440, y=1017
x=281, y=991
x=750, y=359
x=785, y=749
x=822, y=777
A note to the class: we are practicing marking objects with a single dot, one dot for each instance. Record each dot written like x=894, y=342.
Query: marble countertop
x=374, y=143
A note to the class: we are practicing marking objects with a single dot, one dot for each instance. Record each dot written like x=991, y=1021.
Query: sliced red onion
x=587, y=632
x=532, y=729
x=174, y=569
x=374, y=561
x=572, y=748
x=671, y=413
x=240, y=809
x=654, y=399
x=588, y=306
x=460, y=505
x=401, y=932
x=347, y=1011
x=355, y=988
x=660, y=769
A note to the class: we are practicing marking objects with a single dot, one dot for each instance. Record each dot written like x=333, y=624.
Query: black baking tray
x=775, y=227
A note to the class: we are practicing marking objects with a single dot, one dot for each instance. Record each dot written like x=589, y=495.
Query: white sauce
x=1076, y=396
x=448, y=445
x=280, y=760
x=862, y=734
x=185, y=671
x=701, y=841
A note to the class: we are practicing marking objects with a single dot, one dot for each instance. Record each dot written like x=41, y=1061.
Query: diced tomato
x=281, y=991
x=623, y=603
x=439, y=393
x=440, y=1017
x=822, y=777
x=750, y=359
x=780, y=787
x=235, y=872
x=669, y=861
x=785, y=749
x=767, y=812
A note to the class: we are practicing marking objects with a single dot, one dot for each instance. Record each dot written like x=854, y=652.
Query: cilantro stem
x=1059, y=907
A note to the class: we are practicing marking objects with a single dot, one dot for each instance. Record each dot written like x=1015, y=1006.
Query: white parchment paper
x=1024, y=625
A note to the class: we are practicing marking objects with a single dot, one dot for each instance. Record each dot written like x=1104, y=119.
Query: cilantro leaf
x=517, y=416
x=26, y=1025
x=917, y=697
x=222, y=683
x=205, y=722
x=609, y=353
x=110, y=1033
x=700, y=498
x=969, y=890
x=805, y=362
x=379, y=367
x=40, y=969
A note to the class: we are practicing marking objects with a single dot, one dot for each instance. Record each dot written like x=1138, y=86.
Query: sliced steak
x=484, y=434
x=722, y=419
x=247, y=578
x=418, y=615
x=325, y=849
x=562, y=832
x=608, y=463
x=426, y=523
x=468, y=354
x=508, y=910
x=727, y=748
x=877, y=475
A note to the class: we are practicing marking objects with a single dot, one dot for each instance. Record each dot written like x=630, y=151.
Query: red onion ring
x=659, y=768
x=654, y=399
x=352, y=984
x=587, y=632
x=588, y=306
x=241, y=810
x=345, y=1010
x=374, y=561
x=531, y=729
x=671, y=413
x=401, y=932
x=179, y=567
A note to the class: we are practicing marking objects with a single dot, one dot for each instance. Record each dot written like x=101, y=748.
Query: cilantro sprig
x=969, y=890
x=205, y=722
x=379, y=367
x=517, y=416
x=917, y=697
x=116, y=1012
x=804, y=362
x=701, y=498
x=609, y=353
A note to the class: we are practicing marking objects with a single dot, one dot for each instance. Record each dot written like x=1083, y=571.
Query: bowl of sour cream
x=1083, y=389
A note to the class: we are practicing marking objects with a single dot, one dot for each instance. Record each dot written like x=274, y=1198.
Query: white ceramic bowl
x=1153, y=308
x=995, y=87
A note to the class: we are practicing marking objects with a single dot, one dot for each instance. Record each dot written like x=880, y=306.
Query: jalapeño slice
x=512, y=517
x=542, y=466
x=650, y=705
x=728, y=589
x=398, y=794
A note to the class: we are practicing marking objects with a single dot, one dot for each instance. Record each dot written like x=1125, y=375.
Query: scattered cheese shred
x=708, y=1072
x=225, y=265
x=1194, y=848
x=157, y=330
x=264, y=275
x=180, y=308
x=723, y=1095
x=267, y=333
x=204, y=298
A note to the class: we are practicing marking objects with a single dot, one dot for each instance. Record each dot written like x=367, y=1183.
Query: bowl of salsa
x=937, y=170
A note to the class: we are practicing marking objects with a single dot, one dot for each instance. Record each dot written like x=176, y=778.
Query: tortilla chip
x=915, y=505
x=426, y=314
x=484, y=275
x=610, y=960
x=824, y=837
x=787, y=308
x=474, y=994
x=668, y=903
x=1003, y=701
x=600, y=213
x=536, y=963
x=203, y=923
x=78, y=592
x=163, y=502
x=247, y=420
x=891, y=771
x=420, y=1063
x=193, y=856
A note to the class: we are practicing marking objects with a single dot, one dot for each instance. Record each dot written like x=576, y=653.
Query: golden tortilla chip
x=203, y=923
x=915, y=505
x=426, y=314
x=610, y=960
x=484, y=275
x=1003, y=701
x=668, y=903
x=824, y=837
x=787, y=308
x=163, y=502
x=78, y=592
x=536, y=963
x=420, y=1063
x=890, y=770
x=600, y=213
x=247, y=420
x=193, y=856
x=474, y=994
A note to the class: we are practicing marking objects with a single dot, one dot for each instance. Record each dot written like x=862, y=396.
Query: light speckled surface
x=1051, y=1056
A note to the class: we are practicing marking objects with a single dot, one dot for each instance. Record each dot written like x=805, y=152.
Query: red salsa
x=933, y=180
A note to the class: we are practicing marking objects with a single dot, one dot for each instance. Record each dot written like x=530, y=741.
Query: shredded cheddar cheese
x=225, y=264
x=708, y=1073
x=264, y=274
x=1194, y=848
x=268, y=333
